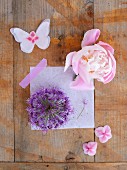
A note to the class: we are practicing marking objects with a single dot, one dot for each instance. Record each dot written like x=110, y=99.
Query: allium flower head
x=48, y=108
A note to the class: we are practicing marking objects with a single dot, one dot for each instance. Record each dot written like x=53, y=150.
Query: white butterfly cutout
x=28, y=40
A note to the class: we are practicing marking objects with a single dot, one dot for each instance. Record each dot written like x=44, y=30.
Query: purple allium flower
x=48, y=108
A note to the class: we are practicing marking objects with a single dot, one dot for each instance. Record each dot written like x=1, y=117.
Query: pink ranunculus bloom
x=103, y=133
x=91, y=62
x=90, y=148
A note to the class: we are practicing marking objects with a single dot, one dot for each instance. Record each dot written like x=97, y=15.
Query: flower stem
x=80, y=113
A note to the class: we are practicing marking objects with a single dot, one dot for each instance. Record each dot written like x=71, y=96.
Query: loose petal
x=90, y=37
x=103, y=133
x=90, y=148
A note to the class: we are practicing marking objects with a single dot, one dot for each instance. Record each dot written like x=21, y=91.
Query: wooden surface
x=66, y=35
x=111, y=100
x=69, y=20
x=6, y=83
x=63, y=166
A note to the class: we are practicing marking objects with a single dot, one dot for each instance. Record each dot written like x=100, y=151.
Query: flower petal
x=92, y=152
x=107, y=129
x=106, y=46
x=92, y=48
x=110, y=77
x=109, y=135
x=76, y=59
x=92, y=145
x=79, y=84
x=104, y=133
x=90, y=148
x=90, y=37
x=69, y=60
x=85, y=148
x=99, y=131
x=103, y=139
x=84, y=52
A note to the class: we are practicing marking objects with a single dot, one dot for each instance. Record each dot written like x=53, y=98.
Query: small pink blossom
x=93, y=61
x=90, y=148
x=103, y=133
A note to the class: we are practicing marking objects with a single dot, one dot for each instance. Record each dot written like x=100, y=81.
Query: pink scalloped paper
x=82, y=101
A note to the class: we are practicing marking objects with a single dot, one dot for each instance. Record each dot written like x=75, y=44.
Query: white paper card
x=82, y=101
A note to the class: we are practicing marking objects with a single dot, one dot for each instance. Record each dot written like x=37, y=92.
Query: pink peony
x=90, y=148
x=91, y=62
x=103, y=133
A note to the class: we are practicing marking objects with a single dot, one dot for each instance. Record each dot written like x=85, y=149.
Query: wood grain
x=111, y=99
x=6, y=83
x=63, y=166
x=66, y=34
x=69, y=20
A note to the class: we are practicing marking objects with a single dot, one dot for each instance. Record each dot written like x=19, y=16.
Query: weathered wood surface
x=63, y=166
x=111, y=99
x=6, y=83
x=69, y=19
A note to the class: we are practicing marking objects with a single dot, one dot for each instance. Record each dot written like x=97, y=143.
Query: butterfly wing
x=22, y=37
x=42, y=32
x=26, y=46
x=19, y=34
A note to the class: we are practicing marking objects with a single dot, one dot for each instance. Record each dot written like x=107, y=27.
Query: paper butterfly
x=28, y=40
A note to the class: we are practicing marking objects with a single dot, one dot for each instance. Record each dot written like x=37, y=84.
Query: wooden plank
x=63, y=166
x=111, y=99
x=6, y=82
x=66, y=34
